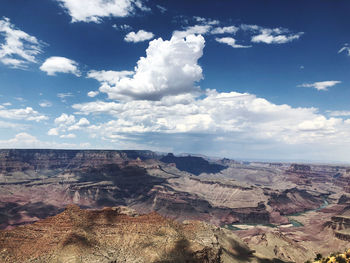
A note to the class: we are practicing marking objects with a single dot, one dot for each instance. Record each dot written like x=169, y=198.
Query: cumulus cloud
x=242, y=114
x=53, y=132
x=345, y=49
x=159, y=100
x=224, y=30
x=55, y=65
x=169, y=68
x=275, y=36
x=65, y=119
x=322, y=85
x=94, y=10
x=83, y=122
x=217, y=112
x=92, y=93
x=231, y=42
x=28, y=114
x=17, y=48
x=66, y=123
x=109, y=76
x=139, y=36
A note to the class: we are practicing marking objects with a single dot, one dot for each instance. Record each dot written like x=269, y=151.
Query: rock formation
x=120, y=235
x=245, y=196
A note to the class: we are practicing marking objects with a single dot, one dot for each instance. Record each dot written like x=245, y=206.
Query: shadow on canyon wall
x=193, y=164
x=13, y=212
x=183, y=254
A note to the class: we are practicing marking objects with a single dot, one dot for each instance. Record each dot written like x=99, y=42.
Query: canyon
x=277, y=211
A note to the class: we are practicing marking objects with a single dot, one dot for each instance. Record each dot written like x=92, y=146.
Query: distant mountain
x=192, y=164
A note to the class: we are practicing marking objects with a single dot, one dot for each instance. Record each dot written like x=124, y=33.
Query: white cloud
x=11, y=125
x=92, y=94
x=223, y=30
x=18, y=48
x=345, y=49
x=251, y=28
x=21, y=140
x=66, y=123
x=108, y=76
x=55, y=65
x=199, y=19
x=322, y=85
x=162, y=9
x=150, y=100
x=65, y=95
x=45, y=104
x=26, y=140
x=169, y=68
x=260, y=34
x=339, y=113
x=122, y=27
x=83, y=122
x=275, y=36
x=19, y=99
x=28, y=114
x=241, y=115
x=140, y=36
x=192, y=30
x=207, y=21
x=68, y=136
x=94, y=10
x=65, y=119
x=53, y=132
x=231, y=42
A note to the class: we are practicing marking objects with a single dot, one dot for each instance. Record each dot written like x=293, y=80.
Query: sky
x=257, y=79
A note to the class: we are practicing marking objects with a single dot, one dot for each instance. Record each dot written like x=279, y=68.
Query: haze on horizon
x=216, y=78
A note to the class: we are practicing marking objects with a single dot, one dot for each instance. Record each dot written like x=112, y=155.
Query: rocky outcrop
x=300, y=168
x=120, y=235
x=183, y=205
x=340, y=224
x=302, y=174
x=21, y=160
x=293, y=201
x=342, y=235
x=344, y=199
x=343, y=180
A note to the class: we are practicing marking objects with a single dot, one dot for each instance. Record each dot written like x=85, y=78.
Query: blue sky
x=240, y=79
